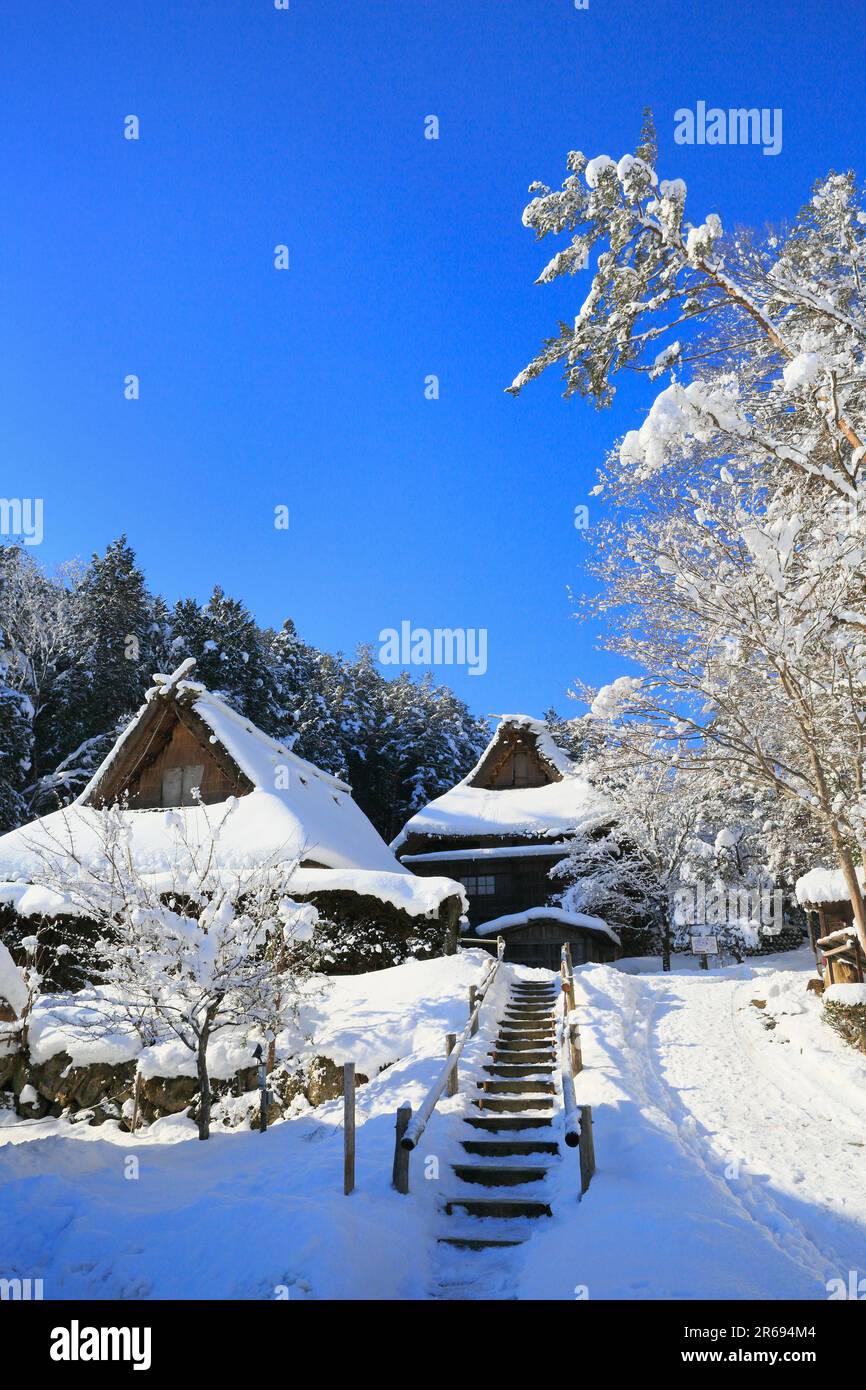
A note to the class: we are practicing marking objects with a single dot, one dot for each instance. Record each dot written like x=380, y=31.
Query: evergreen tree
x=16, y=743
x=231, y=655
x=110, y=639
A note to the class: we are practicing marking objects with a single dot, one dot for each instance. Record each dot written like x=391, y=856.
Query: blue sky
x=306, y=387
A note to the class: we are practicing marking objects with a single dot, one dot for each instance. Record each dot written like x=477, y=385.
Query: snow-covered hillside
x=728, y=1159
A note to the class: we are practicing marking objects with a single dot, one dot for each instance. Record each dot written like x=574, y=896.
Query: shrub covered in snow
x=845, y=1010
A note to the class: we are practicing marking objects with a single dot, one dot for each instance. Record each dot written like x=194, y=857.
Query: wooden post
x=576, y=1049
x=450, y=1044
x=263, y=1098
x=136, y=1095
x=568, y=958
x=587, y=1148
x=473, y=992
x=348, y=1127
x=400, y=1171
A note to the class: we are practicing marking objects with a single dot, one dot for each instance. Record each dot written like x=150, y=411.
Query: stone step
x=500, y=1124
x=509, y=1148
x=498, y=1206
x=534, y=1039
x=509, y=1105
x=527, y=1024
x=508, y=1055
x=539, y=1069
x=515, y=1087
x=527, y=1028
x=531, y=1006
x=524, y=994
x=477, y=1242
x=499, y=1175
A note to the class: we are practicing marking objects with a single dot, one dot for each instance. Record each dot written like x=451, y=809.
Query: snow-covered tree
x=231, y=654
x=735, y=560
x=191, y=949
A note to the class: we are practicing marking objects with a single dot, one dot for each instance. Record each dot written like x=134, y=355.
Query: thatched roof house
x=500, y=831
x=187, y=751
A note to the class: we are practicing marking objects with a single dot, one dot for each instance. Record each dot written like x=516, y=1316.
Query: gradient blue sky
x=408, y=257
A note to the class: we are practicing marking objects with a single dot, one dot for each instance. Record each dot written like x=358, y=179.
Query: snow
x=416, y=896
x=12, y=986
x=88, y=1025
x=613, y=699
x=560, y=808
x=556, y=850
x=727, y=1152
x=547, y=914
x=849, y=995
x=596, y=167
x=801, y=370
x=246, y=1215
x=821, y=885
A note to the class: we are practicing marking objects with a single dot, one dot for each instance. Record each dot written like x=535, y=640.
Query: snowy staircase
x=509, y=1142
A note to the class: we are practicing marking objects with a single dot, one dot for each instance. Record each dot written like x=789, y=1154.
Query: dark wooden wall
x=182, y=750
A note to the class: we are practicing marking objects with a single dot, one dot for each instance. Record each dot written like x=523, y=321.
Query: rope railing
x=409, y=1129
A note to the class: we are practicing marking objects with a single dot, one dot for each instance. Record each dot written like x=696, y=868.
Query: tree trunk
x=852, y=883
x=204, y=1088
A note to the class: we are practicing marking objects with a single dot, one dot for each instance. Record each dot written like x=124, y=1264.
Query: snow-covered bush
x=845, y=1011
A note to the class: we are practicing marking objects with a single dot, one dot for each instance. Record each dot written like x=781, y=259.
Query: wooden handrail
x=577, y=1118
x=418, y=1123
x=569, y=1103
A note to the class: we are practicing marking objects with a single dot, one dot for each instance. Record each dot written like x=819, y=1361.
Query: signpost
x=704, y=946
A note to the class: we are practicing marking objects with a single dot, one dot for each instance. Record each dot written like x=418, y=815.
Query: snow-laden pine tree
x=16, y=745
x=735, y=560
x=231, y=654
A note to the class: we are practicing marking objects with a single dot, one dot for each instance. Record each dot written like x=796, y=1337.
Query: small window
x=178, y=784
x=479, y=885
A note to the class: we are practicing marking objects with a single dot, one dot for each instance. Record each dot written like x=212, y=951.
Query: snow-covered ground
x=730, y=1158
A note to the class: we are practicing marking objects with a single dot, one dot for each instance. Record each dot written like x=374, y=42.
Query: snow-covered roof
x=825, y=886
x=312, y=817
x=547, y=914
x=558, y=850
x=561, y=807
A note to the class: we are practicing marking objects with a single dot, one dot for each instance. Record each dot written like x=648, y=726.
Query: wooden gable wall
x=172, y=738
x=514, y=761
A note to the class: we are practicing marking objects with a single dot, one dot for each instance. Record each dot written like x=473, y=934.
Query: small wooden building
x=500, y=832
x=823, y=895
